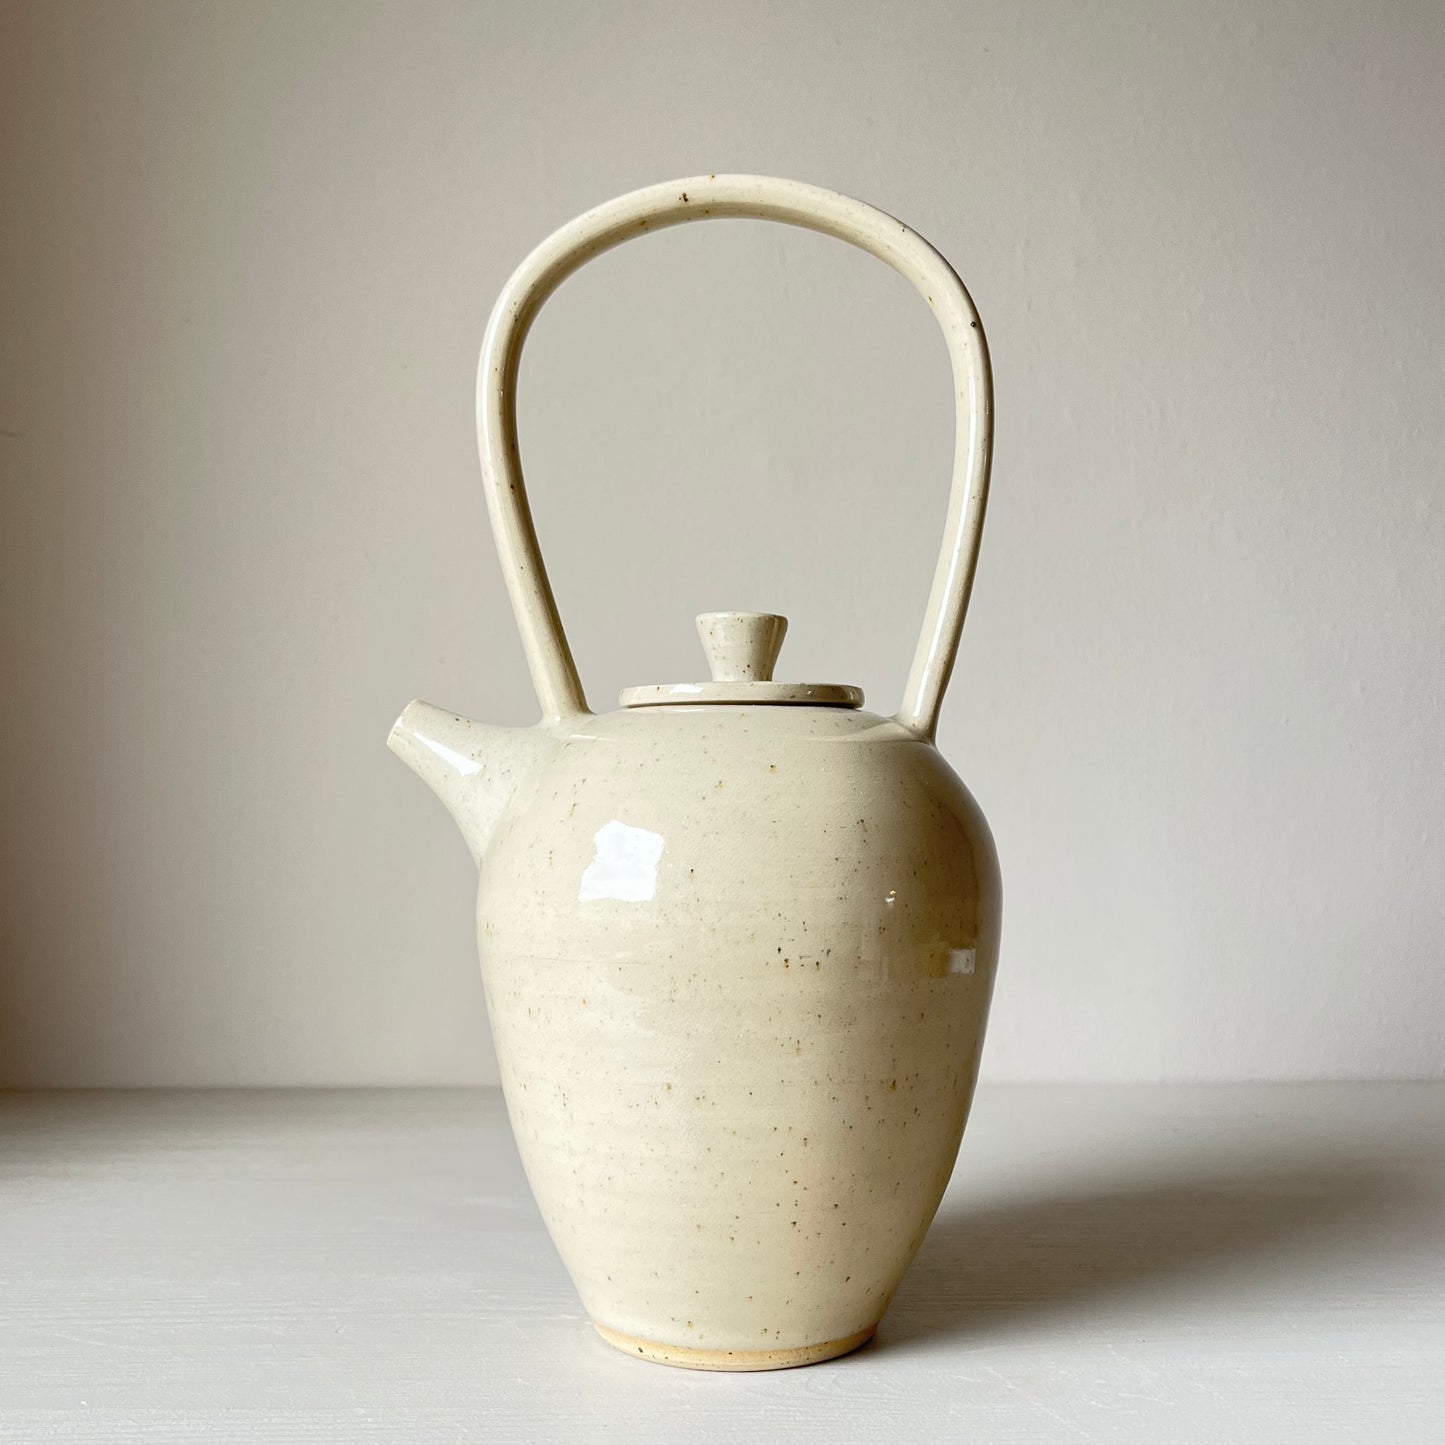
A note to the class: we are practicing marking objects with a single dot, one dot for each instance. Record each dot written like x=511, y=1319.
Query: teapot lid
x=742, y=648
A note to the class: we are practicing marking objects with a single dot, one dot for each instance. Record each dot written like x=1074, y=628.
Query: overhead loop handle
x=554, y=673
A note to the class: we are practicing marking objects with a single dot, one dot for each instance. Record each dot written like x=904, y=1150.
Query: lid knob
x=741, y=650
x=742, y=646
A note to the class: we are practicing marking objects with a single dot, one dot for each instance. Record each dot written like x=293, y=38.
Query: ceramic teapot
x=738, y=936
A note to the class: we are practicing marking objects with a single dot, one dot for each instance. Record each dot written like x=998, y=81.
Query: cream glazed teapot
x=738, y=936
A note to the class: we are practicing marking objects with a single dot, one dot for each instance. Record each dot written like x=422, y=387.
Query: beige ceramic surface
x=737, y=956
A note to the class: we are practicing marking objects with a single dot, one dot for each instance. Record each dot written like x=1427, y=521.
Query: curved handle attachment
x=554, y=673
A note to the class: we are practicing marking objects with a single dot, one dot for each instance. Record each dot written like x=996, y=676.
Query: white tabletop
x=1224, y=1264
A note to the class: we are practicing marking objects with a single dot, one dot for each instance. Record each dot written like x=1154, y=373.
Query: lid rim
x=743, y=693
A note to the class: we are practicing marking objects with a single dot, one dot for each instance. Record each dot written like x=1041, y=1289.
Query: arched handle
x=554, y=673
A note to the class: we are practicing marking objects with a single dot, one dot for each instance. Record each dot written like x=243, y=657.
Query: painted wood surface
x=1161, y=1264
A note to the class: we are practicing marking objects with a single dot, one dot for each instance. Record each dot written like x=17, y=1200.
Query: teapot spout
x=475, y=769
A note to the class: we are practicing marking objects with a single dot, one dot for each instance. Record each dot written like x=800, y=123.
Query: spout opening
x=404, y=726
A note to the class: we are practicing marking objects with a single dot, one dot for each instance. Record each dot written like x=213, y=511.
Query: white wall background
x=247, y=251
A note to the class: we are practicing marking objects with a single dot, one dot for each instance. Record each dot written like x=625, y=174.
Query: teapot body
x=738, y=963
x=739, y=938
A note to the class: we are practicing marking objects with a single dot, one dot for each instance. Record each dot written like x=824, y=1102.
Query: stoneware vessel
x=738, y=936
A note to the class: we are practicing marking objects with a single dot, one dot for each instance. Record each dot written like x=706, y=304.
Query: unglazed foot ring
x=690, y=1359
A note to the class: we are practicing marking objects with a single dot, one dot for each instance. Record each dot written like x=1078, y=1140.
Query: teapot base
x=690, y=1359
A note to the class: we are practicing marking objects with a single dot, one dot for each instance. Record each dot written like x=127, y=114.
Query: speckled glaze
x=739, y=937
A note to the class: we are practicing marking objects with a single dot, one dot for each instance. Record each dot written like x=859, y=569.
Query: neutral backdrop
x=247, y=253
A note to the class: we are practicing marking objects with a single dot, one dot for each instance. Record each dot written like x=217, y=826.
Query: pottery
x=739, y=935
